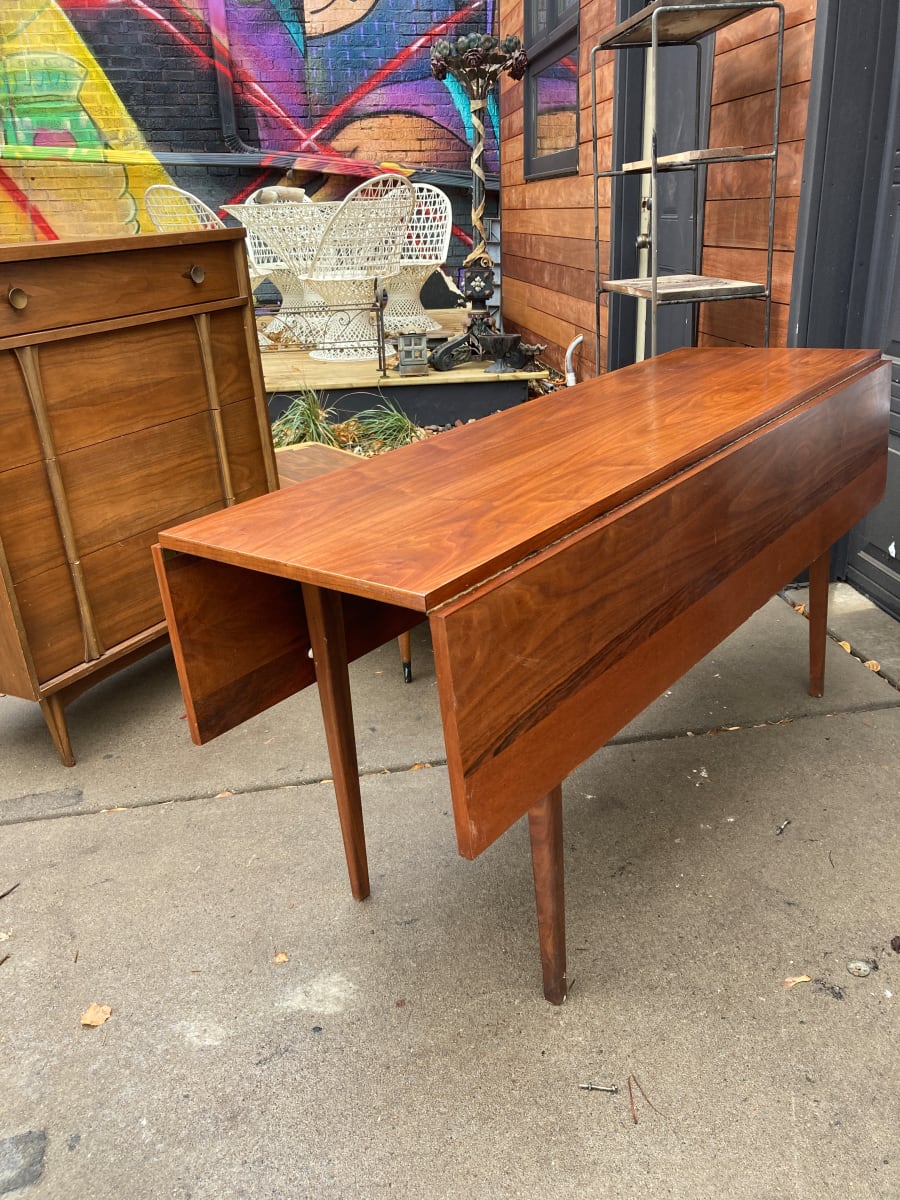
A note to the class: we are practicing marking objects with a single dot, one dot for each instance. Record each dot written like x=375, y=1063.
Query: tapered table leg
x=326, y=631
x=405, y=643
x=545, y=827
x=818, y=622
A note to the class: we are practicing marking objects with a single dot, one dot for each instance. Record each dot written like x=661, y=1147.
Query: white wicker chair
x=424, y=250
x=280, y=242
x=173, y=210
x=361, y=243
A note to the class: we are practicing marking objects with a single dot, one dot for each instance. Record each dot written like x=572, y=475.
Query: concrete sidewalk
x=404, y=1048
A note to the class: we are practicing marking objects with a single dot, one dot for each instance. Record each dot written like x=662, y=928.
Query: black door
x=679, y=128
x=684, y=82
x=874, y=561
x=846, y=288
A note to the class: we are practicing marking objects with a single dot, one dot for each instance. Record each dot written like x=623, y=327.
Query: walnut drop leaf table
x=574, y=557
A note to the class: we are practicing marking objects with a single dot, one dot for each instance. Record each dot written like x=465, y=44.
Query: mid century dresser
x=131, y=398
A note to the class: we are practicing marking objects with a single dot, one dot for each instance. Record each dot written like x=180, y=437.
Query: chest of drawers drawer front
x=242, y=441
x=37, y=296
x=120, y=584
x=21, y=443
x=49, y=612
x=124, y=592
x=29, y=525
x=234, y=378
x=129, y=380
x=117, y=488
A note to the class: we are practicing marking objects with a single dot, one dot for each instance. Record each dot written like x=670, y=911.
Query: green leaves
x=384, y=427
x=304, y=420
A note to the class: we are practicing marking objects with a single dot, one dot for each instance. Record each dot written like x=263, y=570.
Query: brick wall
x=135, y=81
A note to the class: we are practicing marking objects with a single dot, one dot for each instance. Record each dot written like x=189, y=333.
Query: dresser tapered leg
x=818, y=622
x=326, y=631
x=55, y=718
x=545, y=827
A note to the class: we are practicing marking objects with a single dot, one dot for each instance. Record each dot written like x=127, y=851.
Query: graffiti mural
x=72, y=161
x=101, y=98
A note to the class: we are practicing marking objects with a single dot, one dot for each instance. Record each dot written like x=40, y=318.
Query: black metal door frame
x=839, y=288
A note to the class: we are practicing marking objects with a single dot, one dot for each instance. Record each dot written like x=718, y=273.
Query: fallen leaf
x=281, y=957
x=845, y=646
x=5, y=935
x=223, y=795
x=793, y=980
x=118, y=808
x=872, y=664
x=800, y=608
x=420, y=767
x=96, y=1014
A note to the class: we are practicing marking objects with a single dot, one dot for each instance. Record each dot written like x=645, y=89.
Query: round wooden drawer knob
x=17, y=297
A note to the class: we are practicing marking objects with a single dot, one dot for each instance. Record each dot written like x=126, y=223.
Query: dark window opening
x=551, y=88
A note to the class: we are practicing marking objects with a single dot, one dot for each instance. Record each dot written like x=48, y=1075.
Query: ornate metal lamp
x=477, y=61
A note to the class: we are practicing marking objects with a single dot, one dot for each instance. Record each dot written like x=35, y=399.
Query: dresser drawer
x=38, y=295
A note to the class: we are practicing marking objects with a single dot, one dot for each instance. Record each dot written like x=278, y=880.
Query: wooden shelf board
x=679, y=289
x=685, y=158
x=674, y=27
x=295, y=370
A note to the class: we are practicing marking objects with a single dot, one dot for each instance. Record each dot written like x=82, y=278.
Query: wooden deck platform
x=439, y=397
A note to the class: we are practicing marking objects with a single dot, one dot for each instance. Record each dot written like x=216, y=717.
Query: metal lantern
x=412, y=351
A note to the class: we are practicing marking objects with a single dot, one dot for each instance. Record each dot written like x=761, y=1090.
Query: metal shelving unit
x=660, y=24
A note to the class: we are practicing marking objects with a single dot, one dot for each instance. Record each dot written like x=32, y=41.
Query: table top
x=420, y=525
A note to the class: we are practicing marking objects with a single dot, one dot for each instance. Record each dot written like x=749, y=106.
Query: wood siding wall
x=548, y=225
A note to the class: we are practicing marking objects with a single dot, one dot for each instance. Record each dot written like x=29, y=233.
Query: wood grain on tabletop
x=419, y=525
x=541, y=665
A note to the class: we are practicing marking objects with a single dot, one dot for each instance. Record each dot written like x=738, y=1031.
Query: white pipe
x=570, y=370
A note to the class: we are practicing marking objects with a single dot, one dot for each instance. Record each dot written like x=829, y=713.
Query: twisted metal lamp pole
x=477, y=61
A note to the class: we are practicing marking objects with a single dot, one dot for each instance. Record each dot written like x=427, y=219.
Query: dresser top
x=31, y=251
